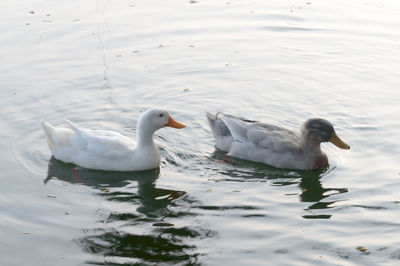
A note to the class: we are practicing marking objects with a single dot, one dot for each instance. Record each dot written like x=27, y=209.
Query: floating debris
x=51, y=196
x=209, y=190
x=361, y=249
x=26, y=233
x=135, y=51
x=186, y=89
x=66, y=213
x=76, y=20
x=32, y=12
x=104, y=190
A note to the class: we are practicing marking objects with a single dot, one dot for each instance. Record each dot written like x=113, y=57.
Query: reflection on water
x=144, y=234
x=314, y=192
x=309, y=182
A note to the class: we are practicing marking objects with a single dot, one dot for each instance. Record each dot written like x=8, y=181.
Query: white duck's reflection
x=157, y=238
x=118, y=186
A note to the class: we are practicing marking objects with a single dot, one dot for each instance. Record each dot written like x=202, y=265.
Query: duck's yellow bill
x=174, y=124
x=338, y=142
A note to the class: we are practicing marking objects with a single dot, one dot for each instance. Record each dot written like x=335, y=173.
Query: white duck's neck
x=145, y=138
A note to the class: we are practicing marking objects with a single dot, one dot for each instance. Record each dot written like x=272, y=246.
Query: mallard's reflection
x=143, y=236
x=309, y=182
x=314, y=192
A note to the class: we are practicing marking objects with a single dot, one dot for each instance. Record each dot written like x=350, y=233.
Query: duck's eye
x=161, y=115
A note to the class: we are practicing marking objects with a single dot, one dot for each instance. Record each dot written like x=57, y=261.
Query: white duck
x=274, y=145
x=108, y=150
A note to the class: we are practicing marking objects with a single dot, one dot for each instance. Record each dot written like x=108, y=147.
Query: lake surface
x=101, y=63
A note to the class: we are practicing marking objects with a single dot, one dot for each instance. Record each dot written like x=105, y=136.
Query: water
x=101, y=63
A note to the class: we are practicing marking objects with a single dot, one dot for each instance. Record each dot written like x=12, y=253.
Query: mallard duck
x=108, y=150
x=274, y=145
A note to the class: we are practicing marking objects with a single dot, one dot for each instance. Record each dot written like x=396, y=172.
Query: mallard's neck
x=310, y=146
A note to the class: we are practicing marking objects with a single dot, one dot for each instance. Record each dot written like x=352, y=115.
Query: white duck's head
x=317, y=130
x=154, y=119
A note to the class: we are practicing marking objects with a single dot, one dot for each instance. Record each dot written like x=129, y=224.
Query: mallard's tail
x=217, y=125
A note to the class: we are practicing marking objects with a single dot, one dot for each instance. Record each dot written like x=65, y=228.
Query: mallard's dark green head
x=320, y=130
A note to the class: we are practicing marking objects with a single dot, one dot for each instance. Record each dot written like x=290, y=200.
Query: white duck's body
x=272, y=144
x=108, y=150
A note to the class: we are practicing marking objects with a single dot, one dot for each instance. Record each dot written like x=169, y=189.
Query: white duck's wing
x=263, y=136
x=101, y=143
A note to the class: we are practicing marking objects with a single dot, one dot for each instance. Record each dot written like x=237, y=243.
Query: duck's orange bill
x=174, y=124
x=338, y=142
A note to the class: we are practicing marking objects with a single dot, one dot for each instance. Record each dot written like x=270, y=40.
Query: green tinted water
x=100, y=63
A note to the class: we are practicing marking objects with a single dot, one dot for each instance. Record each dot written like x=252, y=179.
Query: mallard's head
x=317, y=130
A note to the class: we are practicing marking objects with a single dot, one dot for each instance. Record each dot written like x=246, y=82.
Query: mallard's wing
x=262, y=135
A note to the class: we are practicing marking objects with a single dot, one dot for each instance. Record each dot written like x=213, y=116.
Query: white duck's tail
x=49, y=130
x=72, y=125
x=217, y=125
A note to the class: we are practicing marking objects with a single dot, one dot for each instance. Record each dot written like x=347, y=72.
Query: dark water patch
x=321, y=205
x=253, y=215
x=163, y=224
x=194, y=232
x=127, y=217
x=151, y=248
x=121, y=197
x=317, y=216
x=369, y=207
x=281, y=251
x=224, y=208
